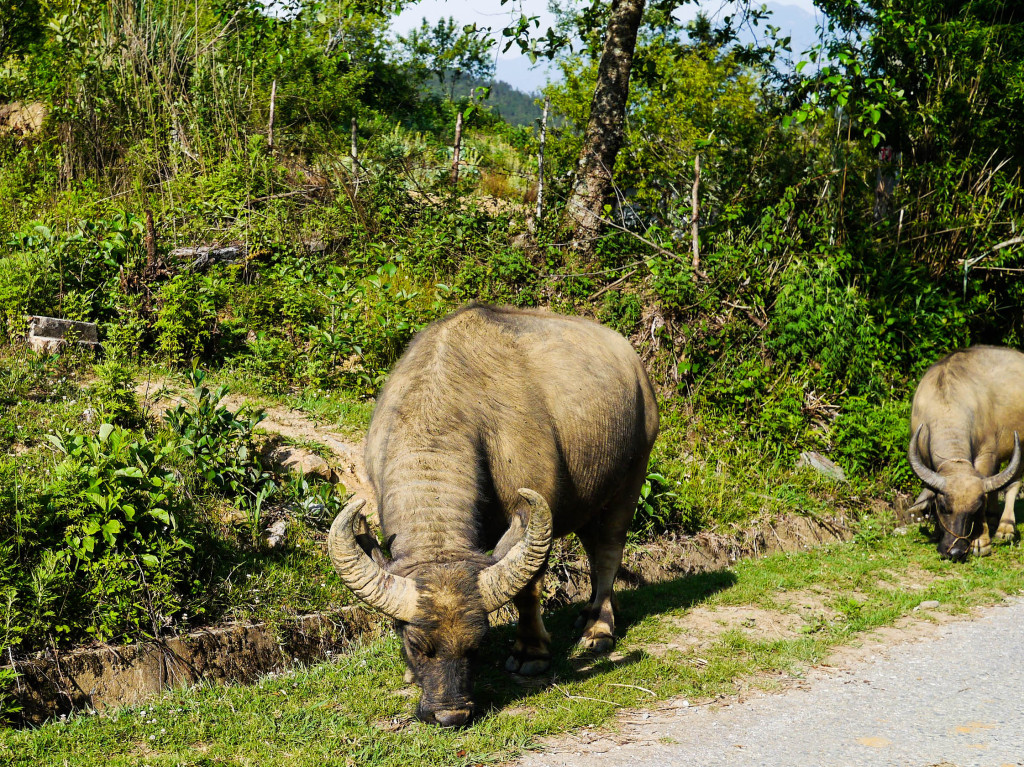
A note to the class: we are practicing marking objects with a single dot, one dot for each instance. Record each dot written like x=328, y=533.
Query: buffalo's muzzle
x=454, y=717
x=957, y=551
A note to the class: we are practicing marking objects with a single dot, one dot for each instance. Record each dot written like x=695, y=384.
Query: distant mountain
x=512, y=104
x=527, y=77
x=515, y=107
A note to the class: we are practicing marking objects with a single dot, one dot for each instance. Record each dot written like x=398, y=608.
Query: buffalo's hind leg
x=597, y=620
x=531, y=653
x=604, y=539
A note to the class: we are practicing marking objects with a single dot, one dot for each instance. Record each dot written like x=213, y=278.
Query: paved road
x=955, y=699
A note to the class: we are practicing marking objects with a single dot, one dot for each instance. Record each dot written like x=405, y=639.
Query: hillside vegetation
x=855, y=220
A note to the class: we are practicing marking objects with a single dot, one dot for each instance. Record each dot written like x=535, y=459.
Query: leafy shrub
x=872, y=437
x=185, y=317
x=28, y=285
x=126, y=335
x=122, y=527
x=653, y=508
x=221, y=443
x=113, y=394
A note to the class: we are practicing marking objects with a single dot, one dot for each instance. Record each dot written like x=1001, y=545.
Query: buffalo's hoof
x=1006, y=531
x=981, y=548
x=598, y=644
x=525, y=666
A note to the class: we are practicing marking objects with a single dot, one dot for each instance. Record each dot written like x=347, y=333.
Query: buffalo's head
x=958, y=496
x=440, y=608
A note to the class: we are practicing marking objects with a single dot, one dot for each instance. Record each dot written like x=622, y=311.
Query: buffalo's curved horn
x=393, y=595
x=1007, y=475
x=507, y=577
x=931, y=479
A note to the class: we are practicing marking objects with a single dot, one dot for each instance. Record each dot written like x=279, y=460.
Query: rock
x=821, y=464
x=929, y=604
x=276, y=533
x=282, y=459
x=48, y=334
x=204, y=255
x=21, y=119
x=233, y=516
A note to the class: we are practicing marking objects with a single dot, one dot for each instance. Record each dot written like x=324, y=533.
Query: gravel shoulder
x=951, y=696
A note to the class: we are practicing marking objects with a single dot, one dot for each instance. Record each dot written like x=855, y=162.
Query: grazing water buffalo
x=968, y=412
x=498, y=429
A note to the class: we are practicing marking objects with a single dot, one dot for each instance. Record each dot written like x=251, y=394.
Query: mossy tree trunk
x=603, y=138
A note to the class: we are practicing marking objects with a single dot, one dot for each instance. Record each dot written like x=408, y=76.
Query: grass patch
x=338, y=408
x=356, y=710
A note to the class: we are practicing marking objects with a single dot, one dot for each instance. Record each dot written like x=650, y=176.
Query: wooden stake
x=540, y=161
x=354, y=151
x=150, y=242
x=270, y=123
x=695, y=212
x=457, y=148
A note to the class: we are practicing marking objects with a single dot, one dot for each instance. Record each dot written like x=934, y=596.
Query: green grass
x=339, y=409
x=356, y=709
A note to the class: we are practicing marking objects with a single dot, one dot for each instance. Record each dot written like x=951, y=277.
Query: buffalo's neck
x=429, y=502
x=951, y=442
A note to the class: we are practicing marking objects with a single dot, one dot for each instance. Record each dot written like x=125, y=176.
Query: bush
x=185, y=318
x=125, y=543
x=113, y=394
x=221, y=443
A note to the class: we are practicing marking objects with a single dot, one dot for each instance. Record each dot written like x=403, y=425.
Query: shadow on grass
x=496, y=690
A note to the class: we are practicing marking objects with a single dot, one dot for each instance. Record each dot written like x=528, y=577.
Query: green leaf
x=160, y=514
x=105, y=430
x=57, y=443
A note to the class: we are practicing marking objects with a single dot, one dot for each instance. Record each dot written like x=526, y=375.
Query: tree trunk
x=603, y=138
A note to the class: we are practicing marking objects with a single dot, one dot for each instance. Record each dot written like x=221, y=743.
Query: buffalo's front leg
x=981, y=542
x=1008, y=522
x=982, y=545
x=531, y=653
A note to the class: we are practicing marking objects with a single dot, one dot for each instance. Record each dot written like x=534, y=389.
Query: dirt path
x=347, y=462
x=943, y=694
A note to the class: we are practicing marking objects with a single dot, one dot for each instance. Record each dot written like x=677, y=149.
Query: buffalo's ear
x=923, y=503
x=368, y=541
x=512, y=536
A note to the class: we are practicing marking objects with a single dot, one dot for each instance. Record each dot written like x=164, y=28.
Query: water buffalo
x=967, y=414
x=498, y=430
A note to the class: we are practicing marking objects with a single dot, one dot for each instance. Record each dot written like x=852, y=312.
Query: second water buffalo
x=966, y=419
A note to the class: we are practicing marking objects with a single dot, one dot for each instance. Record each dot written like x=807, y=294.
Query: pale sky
x=513, y=67
x=492, y=13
